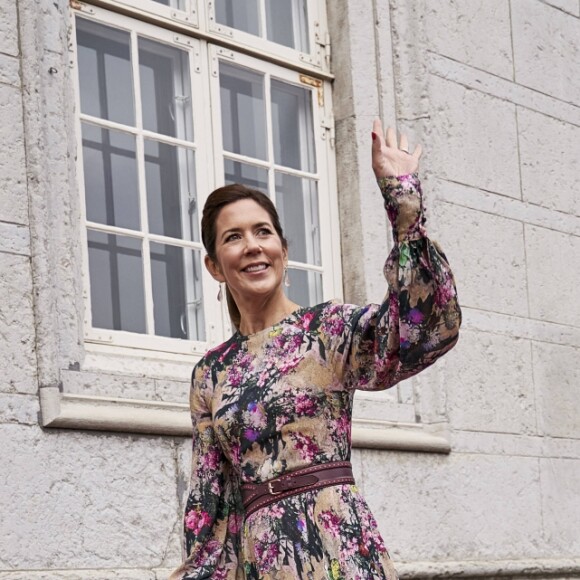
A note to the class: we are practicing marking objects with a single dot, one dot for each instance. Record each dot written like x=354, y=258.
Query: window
x=165, y=118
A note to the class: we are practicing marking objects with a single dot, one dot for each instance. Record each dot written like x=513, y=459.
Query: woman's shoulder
x=217, y=355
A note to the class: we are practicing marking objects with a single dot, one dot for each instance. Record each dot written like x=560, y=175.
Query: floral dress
x=281, y=399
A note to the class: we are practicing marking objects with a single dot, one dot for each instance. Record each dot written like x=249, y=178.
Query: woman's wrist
x=404, y=204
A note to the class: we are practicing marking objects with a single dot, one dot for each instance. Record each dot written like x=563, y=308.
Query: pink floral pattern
x=281, y=399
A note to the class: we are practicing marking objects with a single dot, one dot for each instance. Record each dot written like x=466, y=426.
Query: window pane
x=177, y=292
x=250, y=175
x=293, y=126
x=116, y=276
x=243, y=111
x=287, y=23
x=241, y=15
x=297, y=204
x=171, y=191
x=110, y=168
x=305, y=287
x=165, y=89
x=105, y=75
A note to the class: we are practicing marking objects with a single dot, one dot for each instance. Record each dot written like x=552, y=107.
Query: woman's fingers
x=391, y=138
x=404, y=143
x=418, y=151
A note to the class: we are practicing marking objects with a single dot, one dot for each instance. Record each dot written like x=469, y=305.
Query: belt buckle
x=271, y=489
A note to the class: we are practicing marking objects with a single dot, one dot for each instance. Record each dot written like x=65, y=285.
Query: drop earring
x=286, y=278
x=220, y=295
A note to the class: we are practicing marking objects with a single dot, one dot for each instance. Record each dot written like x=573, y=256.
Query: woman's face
x=250, y=255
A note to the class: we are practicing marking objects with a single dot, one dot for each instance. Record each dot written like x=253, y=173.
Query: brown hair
x=216, y=201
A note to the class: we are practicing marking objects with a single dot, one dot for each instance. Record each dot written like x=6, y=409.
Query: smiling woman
x=272, y=494
x=247, y=251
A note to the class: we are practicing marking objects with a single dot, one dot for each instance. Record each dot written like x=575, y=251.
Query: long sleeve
x=419, y=319
x=213, y=511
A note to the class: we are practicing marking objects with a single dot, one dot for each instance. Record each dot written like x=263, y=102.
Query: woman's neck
x=258, y=315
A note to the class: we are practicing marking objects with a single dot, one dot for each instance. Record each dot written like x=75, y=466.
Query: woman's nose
x=252, y=245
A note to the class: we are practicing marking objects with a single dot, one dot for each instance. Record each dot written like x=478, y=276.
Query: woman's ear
x=214, y=269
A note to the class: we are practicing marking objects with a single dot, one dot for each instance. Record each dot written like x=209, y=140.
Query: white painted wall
x=492, y=90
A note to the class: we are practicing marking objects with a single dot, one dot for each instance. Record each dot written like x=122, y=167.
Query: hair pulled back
x=216, y=201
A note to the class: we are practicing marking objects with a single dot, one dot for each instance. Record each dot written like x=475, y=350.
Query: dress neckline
x=295, y=314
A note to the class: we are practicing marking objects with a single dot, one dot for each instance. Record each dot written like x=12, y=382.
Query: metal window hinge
x=76, y=5
x=322, y=39
x=328, y=129
x=214, y=26
x=181, y=16
x=191, y=43
x=217, y=54
x=317, y=84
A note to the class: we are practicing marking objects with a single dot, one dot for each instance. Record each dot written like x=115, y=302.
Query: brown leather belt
x=258, y=495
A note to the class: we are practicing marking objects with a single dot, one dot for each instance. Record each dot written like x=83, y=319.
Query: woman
x=272, y=494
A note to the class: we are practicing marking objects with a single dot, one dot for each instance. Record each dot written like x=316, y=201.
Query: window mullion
x=270, y=136
x=263, y=21
x=144, y=218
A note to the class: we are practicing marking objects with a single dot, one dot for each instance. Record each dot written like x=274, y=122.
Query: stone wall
x=492, y=90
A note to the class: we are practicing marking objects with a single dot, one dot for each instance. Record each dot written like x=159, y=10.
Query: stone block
x=14, y=239
x=172, y=391
x=490, y=386
x=9, y=70
x=353, y=30
x=546, y=47
x=473, y=138
x=363, y=240
x=456, y=507
x=553, y=275
x=561, y=504
x=557, y=377
x=108, y=385
x=8, y=27
x=571, y=6
x=17, y=408
x=13, y=194
x=487, y=256
x=464, y=32
x=89, y=500
x=549, y=161
x=17, y=332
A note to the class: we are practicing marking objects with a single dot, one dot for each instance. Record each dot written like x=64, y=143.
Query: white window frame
x=207, y=144
x=212, y=308
x=328, y=219
x=188, y=16
x=318, y=42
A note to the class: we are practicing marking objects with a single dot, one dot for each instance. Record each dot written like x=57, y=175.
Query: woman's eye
x=232, y=237
x=265, y=231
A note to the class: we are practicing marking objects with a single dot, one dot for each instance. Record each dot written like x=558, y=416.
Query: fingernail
x=374, y=135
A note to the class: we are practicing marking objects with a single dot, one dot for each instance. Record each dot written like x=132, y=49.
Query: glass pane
x=287, y=23
x=239, y=15
x=293, y=126
x=305, y=287
x=297, y=204
x=116, y=276
x=177, y=292
x=250, y=175
x=171, y=191
x=105, y=75
x=110, y=167
x=243, y=111
x=177, y=4
x=165, y=89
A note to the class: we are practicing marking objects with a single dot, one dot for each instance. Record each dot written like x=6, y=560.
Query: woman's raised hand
x=390, y=159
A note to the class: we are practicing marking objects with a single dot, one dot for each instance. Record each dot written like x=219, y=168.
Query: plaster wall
x=491, y=90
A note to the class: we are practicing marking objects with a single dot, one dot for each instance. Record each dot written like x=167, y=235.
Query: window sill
x=61, y=410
